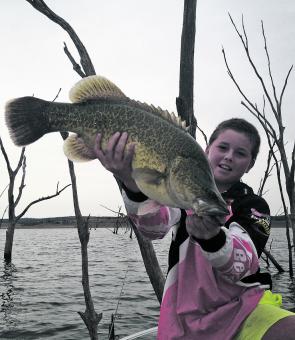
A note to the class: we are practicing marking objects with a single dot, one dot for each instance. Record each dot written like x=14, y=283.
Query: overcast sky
x=136, y=44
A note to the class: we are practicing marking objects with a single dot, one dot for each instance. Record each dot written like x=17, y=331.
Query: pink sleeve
x=152, y=219
x=238, y=257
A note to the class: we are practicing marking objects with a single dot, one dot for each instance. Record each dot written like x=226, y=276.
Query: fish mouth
x=210, y=208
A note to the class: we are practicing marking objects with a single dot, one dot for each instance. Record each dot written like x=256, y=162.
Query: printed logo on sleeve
x=263, y=220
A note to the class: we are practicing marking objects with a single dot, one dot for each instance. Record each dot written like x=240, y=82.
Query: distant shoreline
x=94, y=222
x=68, y=222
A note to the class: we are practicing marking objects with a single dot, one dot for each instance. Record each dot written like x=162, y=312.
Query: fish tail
x=25, y=120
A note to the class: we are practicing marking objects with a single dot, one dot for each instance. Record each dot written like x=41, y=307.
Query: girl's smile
x=230, y=156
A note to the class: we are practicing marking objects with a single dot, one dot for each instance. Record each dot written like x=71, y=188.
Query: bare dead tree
x=13, y=218
x=274, y=132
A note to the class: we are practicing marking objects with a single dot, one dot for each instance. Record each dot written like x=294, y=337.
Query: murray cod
x=168, y=166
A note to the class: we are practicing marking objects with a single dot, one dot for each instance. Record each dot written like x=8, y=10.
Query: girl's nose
x=228, y=156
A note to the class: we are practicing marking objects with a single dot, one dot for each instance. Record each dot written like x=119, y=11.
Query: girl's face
x=230, y=157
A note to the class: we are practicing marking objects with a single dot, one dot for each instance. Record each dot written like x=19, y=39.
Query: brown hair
x=239, y=125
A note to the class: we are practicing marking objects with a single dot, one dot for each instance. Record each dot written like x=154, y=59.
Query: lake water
x=42, y=292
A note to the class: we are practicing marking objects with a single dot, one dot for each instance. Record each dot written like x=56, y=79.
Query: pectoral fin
x=149, y=176
x=76, y=150
x=153, y=184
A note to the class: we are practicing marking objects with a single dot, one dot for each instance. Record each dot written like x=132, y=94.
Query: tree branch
x=251, y=107
x=278, y=102
x=203, y=134
x=40, y=200
x=285, y=85
x=269, y=69
x=4, y=190
x=263, y=121
x=86, y=63
x=246, y=48
x=5, y=157
x=22, y=185
x=20, y=162
x=58, y=92
x=267, y=171
x=76, y=66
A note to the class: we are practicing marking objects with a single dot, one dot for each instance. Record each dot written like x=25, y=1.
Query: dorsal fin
x=171, y=117
x=95, y=87
x=98, y=87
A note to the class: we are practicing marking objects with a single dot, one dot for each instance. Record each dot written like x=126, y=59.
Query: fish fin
x=153, y=184
x=95, y=87
x=25, y=120
x=149, y=176
x=76, y=150
x=169, y=116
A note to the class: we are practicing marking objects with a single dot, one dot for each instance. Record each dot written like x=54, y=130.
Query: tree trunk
x=185, y=100
x=151, y=263
x=292, y=219
x=274, y=261
x=288, y=224
x=90, y=317
x=9, y=242
x=149, y=257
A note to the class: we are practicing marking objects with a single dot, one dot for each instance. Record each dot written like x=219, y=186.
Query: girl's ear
x=207, y=149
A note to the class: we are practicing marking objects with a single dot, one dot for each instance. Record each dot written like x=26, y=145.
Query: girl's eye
x=222, y=147
x=241, y=153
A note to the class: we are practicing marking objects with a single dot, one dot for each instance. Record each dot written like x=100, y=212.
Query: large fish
x=169, y=166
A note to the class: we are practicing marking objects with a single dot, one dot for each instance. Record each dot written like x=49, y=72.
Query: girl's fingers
x=116, y=157
x=200, y=226
x=111, y=145
x=129, y=154
x=119, y=148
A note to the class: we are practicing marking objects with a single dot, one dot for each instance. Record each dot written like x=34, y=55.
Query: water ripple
x=41, y=293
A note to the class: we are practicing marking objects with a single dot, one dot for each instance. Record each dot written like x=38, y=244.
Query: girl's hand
x=117, y=158
x=203, y=227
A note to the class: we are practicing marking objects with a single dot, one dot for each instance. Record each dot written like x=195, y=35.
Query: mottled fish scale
x=168, y=166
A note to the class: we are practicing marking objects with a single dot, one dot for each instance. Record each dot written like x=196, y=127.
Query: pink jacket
x=204, y=297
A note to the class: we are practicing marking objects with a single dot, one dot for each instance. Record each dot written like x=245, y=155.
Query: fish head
x=211, y=204
x=192, y=186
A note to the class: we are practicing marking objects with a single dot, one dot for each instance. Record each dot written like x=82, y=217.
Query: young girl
x=214, y=289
